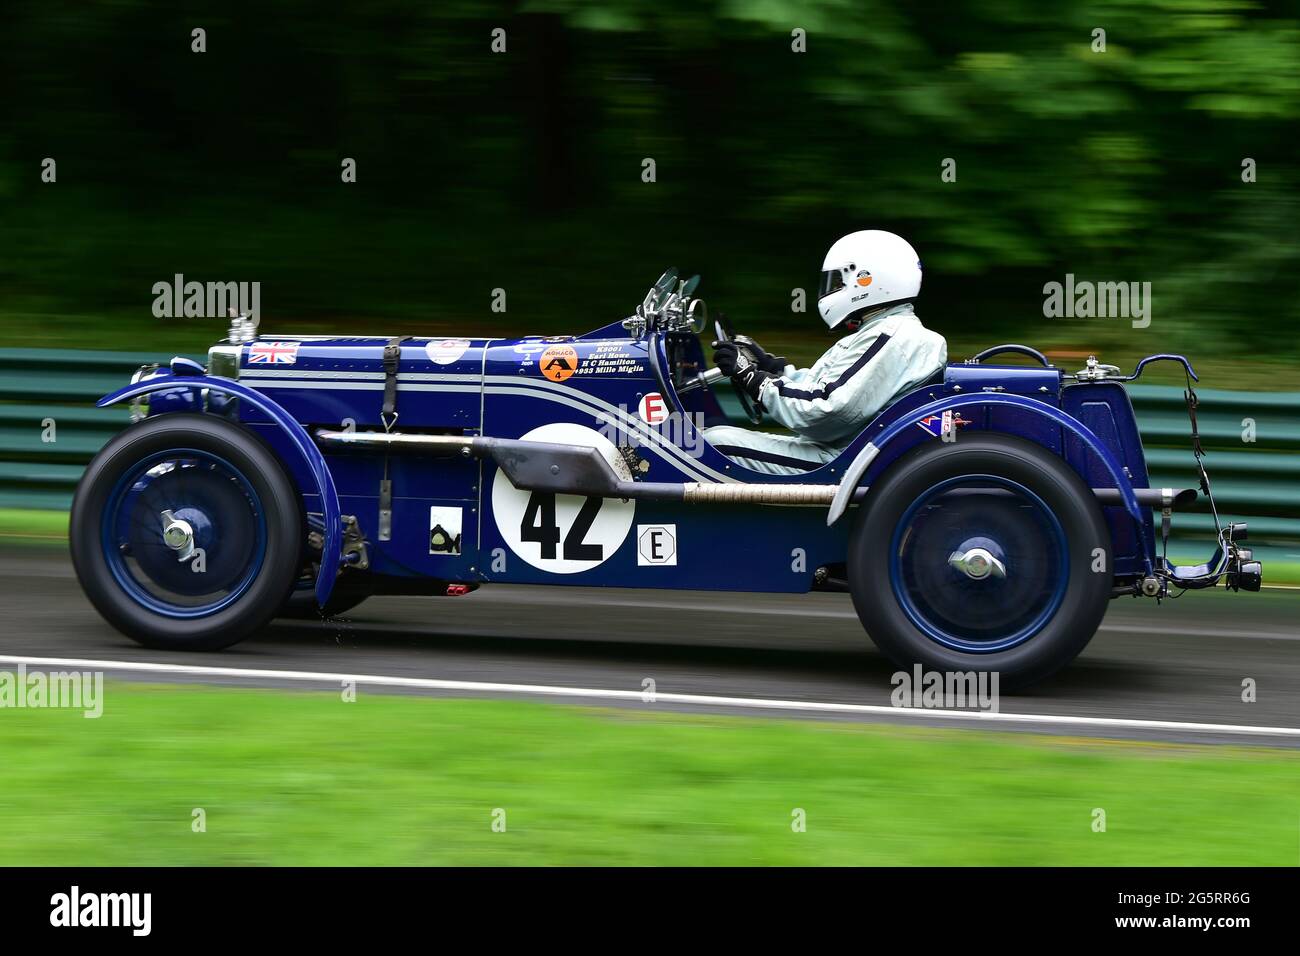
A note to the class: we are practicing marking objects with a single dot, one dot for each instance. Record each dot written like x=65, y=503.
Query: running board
x=582, y=470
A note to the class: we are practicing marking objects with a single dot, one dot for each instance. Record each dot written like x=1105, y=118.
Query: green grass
x=39, y=525
x=304, y=778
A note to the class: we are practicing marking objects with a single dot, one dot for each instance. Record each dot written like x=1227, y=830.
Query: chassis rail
x=580, y=470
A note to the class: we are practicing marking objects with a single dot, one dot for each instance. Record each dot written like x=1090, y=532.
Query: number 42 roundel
x=563, y=534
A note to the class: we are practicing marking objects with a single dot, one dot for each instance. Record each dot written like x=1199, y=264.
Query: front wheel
x=185, y=532
x=989, y=554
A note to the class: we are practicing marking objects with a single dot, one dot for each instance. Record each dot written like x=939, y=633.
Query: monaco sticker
x=558, y=362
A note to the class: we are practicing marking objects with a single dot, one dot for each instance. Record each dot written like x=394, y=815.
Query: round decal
x=864, y=278
x=446, y=351
x=652, y=408
x=558, y=362
x=563, y=534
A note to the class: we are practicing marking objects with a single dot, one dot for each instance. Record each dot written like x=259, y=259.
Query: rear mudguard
x=858, y=467
x=184, y=375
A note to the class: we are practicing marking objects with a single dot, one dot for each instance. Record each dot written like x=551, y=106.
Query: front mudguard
x=187, y=374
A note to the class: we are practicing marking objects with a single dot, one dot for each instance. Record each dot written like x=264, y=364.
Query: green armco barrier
x=1252, y=439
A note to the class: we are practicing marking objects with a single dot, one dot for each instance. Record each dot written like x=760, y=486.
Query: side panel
x=592, y=391
x=340, y=383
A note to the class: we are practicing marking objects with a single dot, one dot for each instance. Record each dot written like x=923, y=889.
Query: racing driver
x=869, y=281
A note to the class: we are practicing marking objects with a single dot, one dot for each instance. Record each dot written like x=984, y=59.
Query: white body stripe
x=600, y=410
x=291, y=372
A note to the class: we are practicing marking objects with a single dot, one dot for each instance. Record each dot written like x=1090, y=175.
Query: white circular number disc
x=563, y=534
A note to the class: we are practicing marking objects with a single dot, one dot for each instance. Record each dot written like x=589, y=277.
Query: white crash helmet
x=864, y=271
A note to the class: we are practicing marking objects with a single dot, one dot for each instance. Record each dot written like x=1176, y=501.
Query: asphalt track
x=1163, y=667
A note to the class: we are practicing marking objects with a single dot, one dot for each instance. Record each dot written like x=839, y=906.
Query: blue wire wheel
x=184, y=533
x=979, y=563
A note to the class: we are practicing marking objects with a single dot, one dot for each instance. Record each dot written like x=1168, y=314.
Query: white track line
x=709, y=700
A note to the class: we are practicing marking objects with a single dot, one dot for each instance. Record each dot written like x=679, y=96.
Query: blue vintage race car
x=982, y=521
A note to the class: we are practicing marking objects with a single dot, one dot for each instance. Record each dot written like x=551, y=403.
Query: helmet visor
x=832, y=281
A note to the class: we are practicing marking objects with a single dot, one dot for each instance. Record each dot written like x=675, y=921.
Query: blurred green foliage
x=522, y=170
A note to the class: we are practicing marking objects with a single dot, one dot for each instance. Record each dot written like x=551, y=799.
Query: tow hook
x=355, y=554
x=459, y=590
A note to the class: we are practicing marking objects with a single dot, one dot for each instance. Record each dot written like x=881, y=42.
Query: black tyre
x=986, y=554
x=185, y=532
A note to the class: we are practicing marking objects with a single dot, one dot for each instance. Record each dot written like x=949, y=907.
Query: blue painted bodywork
x=497, y=388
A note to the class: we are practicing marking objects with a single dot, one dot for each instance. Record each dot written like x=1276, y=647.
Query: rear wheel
x=185, y=532
x=989, y=554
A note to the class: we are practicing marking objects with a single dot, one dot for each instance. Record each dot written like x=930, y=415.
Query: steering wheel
x=753, y=411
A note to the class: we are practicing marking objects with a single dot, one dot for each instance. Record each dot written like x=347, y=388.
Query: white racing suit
x=829, y=404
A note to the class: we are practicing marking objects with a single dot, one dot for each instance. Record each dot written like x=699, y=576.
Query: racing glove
x=737, y=366
x=772, y=364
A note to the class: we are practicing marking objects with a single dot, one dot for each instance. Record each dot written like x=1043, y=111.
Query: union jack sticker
x=940, y=425
x=273, y=353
